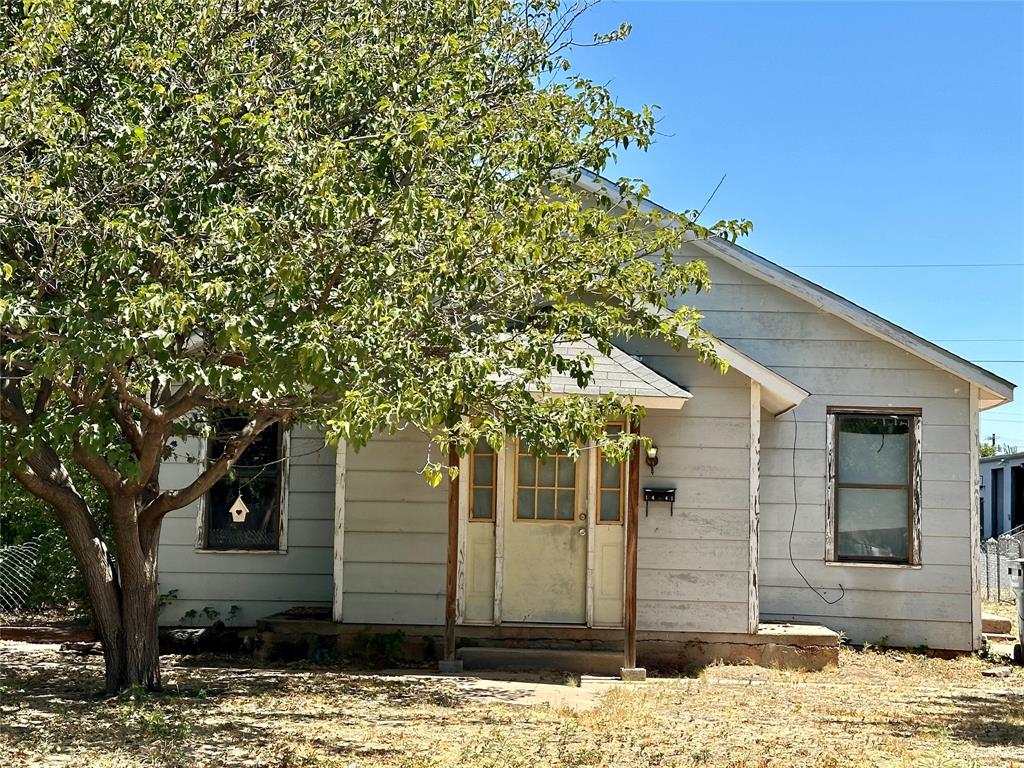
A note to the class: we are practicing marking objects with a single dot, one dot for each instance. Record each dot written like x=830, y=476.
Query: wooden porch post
x=451, y=584
x=629, y=669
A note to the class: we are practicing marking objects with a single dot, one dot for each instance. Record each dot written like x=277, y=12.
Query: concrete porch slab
x=568, y=648
x=534, y=659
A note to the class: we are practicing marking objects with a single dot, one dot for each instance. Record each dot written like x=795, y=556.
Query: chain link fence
x=995, y=581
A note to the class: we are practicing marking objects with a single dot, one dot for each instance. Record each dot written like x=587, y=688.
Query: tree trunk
x=124, y=603
x=134, y=657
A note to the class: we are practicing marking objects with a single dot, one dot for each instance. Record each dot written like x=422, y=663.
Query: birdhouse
x=239, y=511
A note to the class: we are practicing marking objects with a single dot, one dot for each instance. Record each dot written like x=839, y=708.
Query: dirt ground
x=877, y=709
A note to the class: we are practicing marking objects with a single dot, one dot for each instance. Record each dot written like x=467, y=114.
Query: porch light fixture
x=652, y=457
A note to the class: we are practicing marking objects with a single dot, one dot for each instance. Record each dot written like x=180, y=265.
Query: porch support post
x=753, y=531
x=449, y=664
x=339, y=527
x=630, y=671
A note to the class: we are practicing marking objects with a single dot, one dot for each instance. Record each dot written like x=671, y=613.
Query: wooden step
x=991, y=623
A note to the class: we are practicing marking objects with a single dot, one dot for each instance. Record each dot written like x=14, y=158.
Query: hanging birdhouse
x=239, y=511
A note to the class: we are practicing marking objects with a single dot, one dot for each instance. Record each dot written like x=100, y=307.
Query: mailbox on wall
x=664, y=495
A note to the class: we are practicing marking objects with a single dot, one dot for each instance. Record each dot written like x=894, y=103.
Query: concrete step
x=517, y=659
x=997, y=625
x=1000, y=637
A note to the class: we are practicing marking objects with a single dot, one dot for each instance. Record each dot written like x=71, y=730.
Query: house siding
x=259, y=584
x=842, y=365
x=693, y=564
x=395, y=534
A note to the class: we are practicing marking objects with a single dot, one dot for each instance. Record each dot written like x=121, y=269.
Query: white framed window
x=873, y=499
x=247, y=509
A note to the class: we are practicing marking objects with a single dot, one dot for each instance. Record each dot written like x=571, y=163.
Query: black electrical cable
x=792, y=530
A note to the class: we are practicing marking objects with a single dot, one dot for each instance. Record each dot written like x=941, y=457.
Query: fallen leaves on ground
x=877, y=709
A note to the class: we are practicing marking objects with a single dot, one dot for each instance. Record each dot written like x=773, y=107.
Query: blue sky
x=851, y=134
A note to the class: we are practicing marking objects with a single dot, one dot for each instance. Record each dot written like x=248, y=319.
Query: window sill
x=201, y=551
x=854, y=564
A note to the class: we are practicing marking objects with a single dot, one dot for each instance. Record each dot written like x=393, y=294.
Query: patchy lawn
x=877, y=709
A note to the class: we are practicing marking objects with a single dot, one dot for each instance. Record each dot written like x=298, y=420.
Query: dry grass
x=877, y=709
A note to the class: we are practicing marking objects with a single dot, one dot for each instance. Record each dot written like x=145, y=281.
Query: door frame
x=589, y=488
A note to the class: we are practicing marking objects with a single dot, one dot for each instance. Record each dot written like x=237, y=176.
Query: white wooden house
x=828, y=478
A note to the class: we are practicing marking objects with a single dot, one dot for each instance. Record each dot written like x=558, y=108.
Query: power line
x=997, y=361
x=948, y=340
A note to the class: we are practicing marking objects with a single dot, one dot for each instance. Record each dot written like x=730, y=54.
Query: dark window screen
x=256, y=479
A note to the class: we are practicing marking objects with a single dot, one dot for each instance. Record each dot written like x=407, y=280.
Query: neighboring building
x=838, y=448
x=1002, y=494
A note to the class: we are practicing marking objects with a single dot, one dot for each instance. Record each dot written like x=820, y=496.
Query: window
x=545, y=488
x=997, y=501
x=483, y=480
x=611, y=484
x=874, y=478
x=243, y=511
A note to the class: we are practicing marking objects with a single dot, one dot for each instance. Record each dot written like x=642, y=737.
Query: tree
x=360, y=215
x=56, y=581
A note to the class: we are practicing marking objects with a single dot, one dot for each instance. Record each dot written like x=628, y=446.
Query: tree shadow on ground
x=54, y=697
x=986, y=719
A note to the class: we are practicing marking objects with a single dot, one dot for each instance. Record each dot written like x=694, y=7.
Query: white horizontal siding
x=692, y=565
x=842, y=365
x=395, y=534
x=259, y=584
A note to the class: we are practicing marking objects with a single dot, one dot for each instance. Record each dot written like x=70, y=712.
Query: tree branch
x=233, y=449
x=97, y=466
x=42, y=398
x=123, y=392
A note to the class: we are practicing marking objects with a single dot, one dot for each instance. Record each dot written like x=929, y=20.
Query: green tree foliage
x=363, y=215
x=57, y=581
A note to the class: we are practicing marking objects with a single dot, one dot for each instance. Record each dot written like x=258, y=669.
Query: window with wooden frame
x=483, y=482
x=611, y=486
x=243, y=511
x=545, y=488
x=874, y=478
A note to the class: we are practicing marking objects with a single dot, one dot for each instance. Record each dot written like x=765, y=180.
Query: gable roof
x=616, y=373
x=994, y=390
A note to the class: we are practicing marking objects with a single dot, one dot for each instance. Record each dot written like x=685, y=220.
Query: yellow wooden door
x=545, y=553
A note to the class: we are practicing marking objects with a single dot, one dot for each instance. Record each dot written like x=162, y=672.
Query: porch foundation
x=786, y=646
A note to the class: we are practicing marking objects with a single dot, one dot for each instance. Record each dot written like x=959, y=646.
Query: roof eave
x=648, y=402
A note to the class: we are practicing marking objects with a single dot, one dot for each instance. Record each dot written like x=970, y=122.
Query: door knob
x=583, y=531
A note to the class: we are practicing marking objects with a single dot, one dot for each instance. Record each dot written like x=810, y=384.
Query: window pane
x=611, y=474
x=545, y=505
x=566, y=472
x=566, y=505
x=609, y=512
x=546, y=472
x=483, y=470
x=874, y=449
x=257, y=480
x=483, y=504
x=524, y=504
x=872, y=523
x=527, y=470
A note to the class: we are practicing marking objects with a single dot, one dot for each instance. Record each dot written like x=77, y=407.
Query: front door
x=545, y=531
